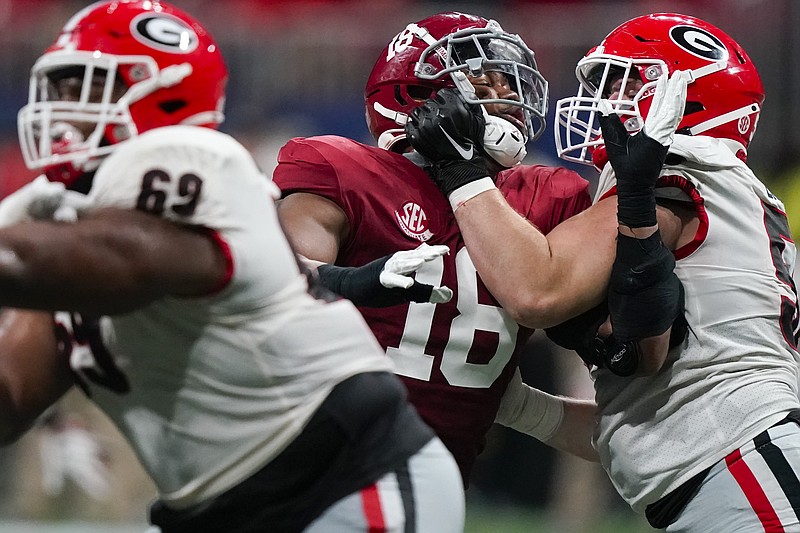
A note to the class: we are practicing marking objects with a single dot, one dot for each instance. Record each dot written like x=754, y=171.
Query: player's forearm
x=48, y=268
x=511, y=256
x=566, y=424
x=34, y=374
x=574, y=435
x=115, y=262
x=539, y=280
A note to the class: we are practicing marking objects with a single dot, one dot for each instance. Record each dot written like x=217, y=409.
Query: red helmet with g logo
x=423, y=58
x=724, y=94
x=143, y=65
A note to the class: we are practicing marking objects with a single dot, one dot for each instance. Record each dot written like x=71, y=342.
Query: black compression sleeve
x=362, y=286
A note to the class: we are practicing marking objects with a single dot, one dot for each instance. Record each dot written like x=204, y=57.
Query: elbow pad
x=580, y=334
x=645, y=296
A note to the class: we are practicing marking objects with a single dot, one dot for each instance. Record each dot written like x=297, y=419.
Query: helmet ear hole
x=398, y=95
x=171, y=106
x=419, y=92
x=693, y=107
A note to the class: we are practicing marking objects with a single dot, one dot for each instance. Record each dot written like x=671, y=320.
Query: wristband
x=472, y=189
x=636, y=205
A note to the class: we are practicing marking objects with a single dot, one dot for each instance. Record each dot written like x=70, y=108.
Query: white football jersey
x=219, y=385
x=737, y=373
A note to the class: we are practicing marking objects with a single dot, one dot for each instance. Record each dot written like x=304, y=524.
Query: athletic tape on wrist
x=472, y=189
x=530, y=411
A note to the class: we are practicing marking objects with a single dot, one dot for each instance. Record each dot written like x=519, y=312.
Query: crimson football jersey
x=455, y=358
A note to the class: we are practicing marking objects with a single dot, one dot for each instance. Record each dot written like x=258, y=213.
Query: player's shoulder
x=331, y=149
x=177, y=136
x=326, y=144
x=330, y=142
x=176, y=156
x=332, y=163
x=559, y=181
x=176, y=145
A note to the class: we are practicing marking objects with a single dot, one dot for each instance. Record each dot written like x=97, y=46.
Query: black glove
x=637, y=161
x=448, y=131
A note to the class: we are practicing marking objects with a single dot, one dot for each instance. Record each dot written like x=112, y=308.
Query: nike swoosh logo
x=466, y=154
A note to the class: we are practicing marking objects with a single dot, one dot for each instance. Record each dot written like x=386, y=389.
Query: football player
x=697, y=383
x=252, y=404
x=349, y=206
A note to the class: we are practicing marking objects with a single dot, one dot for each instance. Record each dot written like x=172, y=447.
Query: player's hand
x=637, y=159
x=447, y=130
x=41, y=199
x=666, y=111
x=580, y=334
x=59, y=205
x=502, y=142
x=72, y=452
x=397, y=269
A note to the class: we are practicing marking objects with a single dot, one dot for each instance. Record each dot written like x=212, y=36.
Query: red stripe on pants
x=754, y=493
x=371, y=502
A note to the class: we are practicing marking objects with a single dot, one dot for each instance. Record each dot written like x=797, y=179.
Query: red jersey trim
x=227, y=255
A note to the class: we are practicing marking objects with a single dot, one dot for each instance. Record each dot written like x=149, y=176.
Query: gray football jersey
x=219, y=385
x=737, y=372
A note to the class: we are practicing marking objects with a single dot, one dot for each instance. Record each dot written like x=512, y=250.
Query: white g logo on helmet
x=699, y=42
x=164, y=32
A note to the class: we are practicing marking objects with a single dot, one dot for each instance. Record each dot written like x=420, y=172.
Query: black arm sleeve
x=362, y=286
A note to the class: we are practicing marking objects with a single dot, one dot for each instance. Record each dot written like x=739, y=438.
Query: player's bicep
x=315, y=226
x=677, y=222
x=34, y=373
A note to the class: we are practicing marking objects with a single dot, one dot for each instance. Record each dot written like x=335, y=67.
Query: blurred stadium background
x=298, y=68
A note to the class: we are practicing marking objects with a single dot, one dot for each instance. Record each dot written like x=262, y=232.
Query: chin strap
x=730, y=116
x=391, y=136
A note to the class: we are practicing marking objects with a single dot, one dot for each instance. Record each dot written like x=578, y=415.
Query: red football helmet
x=424, y=58
x=724, y=95
x=143, y=64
